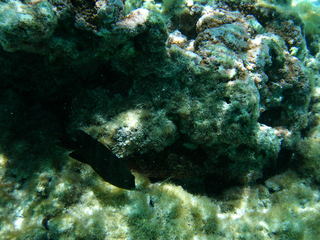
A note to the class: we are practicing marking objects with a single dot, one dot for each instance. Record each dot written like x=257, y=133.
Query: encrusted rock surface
x=221, y=97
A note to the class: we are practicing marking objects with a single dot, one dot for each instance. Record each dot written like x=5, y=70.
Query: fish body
x=102, y=160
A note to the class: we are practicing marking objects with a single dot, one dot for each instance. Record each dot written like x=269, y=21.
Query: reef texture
x=219, y=97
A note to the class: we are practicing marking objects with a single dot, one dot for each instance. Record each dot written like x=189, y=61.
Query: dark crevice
x=216, y=185
x=83, y=3
x=186, y=24
x=196, y=174
x=227, y=100
x=284, y=161
x=174, y=162
x=40, y=96
x=272, y=117
x=217, y=179
x=274, y=70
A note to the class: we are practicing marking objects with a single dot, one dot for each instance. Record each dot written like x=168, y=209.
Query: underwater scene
x=159, y=120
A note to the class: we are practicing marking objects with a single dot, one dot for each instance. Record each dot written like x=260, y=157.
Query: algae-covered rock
x=133, y=131
x=233, y=78
x=24, y=26
x=213, y=91
x=74, y=203
x=217, y=98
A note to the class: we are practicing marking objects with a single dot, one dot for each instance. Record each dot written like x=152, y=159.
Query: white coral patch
x=132, y=119
x=3, y=160
x=177, y=38
x=134, y=19
x=18, y=223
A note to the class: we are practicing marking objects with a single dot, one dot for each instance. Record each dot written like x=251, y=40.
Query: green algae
x=217, y=97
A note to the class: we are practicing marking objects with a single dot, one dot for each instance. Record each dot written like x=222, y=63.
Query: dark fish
x=102, y=160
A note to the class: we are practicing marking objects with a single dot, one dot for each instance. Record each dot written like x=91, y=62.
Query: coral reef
x=307, y=10
x=218, y=98
x=234, y=89
x=74, y=203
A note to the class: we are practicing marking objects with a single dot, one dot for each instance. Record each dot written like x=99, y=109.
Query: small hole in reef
x=227, y=100
x=271, y=117
x=186, y=24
